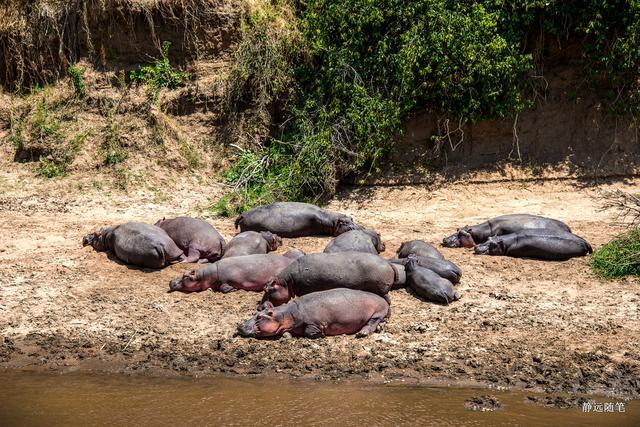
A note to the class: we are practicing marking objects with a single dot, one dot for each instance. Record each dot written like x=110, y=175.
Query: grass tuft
x=620, y=257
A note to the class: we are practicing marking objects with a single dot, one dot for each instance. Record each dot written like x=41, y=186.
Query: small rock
x=386, y=339
x=483, y=403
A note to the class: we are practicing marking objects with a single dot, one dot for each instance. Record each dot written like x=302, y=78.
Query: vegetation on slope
x=327, y=83
x=361, y=67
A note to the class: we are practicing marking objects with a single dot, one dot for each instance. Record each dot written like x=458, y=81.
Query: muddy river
x=70, y=399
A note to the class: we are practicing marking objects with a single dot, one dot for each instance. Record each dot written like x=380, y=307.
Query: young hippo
x=419, y=248
x=319, y=272
x=293, y=219
x=248, y=272
x=252, y=243
x=540, y=244
x=135, y=243
x=319, y=314
x=428, y=285
x=197, y=238
x=368, y=241
x=468, y=237
x=442, y=267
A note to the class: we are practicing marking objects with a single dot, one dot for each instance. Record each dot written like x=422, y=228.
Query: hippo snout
x=481, y=249
x=87, y=240
x=246, y=328
x=175, y=285
x=451, y=242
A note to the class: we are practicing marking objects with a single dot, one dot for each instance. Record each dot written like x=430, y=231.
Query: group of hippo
x=344, y=289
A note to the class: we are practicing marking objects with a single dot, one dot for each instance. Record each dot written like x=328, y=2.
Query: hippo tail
x=239, y=220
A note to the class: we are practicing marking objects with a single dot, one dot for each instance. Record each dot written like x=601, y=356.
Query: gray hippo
x=418, y=247
x=468, y=237
x=293, y=219
x=429, y=285
x=252, y=243
x=197, y=238
x=357, y=241
x=442, y=267
x=325, y=313
x=319, y=272
x=248, y=272
x=294, y=253
x=135, y=243
x=540, y=244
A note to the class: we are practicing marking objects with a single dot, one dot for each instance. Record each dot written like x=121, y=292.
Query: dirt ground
x=543, y=326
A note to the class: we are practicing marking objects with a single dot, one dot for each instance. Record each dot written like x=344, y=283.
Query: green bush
x=160, y=74
x=362, y=66
x=77, y=78
x=620, y=257
x=51, y=169
x=111, y=149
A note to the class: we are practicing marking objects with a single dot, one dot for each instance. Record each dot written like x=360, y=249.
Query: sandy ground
x=543, y=326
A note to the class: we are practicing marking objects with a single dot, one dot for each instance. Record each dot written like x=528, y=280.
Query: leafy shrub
x=363, y=66
x=77, y=79
x=370, y=64
x=620, y=257
x=51, y=169
x=111, y=149
x=160, y=74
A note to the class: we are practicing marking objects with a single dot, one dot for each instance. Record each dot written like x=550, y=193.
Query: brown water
x=55, y=400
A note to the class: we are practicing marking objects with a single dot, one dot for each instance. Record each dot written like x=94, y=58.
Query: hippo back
x=186, y=231
x=288, y=219
x=352, y=241
x=354, y=270
x=507, y=224
x=144, y=245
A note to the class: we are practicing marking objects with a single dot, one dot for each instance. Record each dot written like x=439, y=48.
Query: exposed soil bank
x=545, y=326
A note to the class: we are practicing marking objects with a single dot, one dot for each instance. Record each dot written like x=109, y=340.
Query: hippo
x=319, y=314
x=135, y=243
x=442, y=267
x=468, y=237
x=197, y=238
x=252, y=243
x=319, y=272
x=418, y=247
x=536, y=243
x=294, y=253
x=294, y=219
x=357, y=241
x=248, y=272
x=429, y=285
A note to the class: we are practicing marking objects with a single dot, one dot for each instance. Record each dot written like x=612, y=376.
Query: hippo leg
x=192, y=255
x=371, y=326
x=225, y=288
x=312, y=331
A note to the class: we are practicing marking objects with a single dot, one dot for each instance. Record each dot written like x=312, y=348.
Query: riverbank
x=548, y=327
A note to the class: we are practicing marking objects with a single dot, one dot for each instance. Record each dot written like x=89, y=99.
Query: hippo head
x=377, y=240
x=267, y=323
x=188, y=282
x=344, y=223
x=95, y=239
x=493, y=246
x=411, y=263
x=277, y=292
x=273, y=240
x=460, y=239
